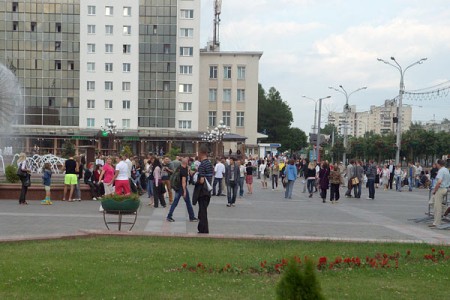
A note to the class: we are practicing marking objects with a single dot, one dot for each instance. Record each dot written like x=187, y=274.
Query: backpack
x=175, y=180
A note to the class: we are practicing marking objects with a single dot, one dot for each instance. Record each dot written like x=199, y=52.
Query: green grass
x=145, y=268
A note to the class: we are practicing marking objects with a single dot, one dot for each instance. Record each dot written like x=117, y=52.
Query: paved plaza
x=264, y=214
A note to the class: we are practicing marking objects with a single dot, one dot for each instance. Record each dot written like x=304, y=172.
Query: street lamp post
x=400, y=99
x=346, y=111
x=111, y=129
x=216, y=136
x=318, y=123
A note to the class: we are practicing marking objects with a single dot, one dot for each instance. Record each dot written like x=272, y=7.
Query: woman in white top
x=385, y=174
x=25, y=178
x=262, y=169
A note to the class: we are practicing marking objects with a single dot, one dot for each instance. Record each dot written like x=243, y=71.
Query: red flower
x=408, y=252
x=228, y=266
x=284, y=262
x=338, y=260
x=184, y=265
x=263, y=264
x=433, y=250
x=199, y=265
x=323, y=260
x=297, y=259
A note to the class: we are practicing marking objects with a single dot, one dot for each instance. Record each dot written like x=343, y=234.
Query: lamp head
x=392, y=58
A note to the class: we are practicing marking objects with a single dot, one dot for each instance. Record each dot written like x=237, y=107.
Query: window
x=126, y=86
x=70, y=65
x=70, y=102
x=91, y=66
x=212, y=117
x=91, y=48
x=91, y=104
x=58, y=27
x=166, y=48
x=126, y=29
x=212, y=95
x=185, y=106
x=51, y=101
x=91, y=29
x=241, y=72
x=155, y=29
x=57, y=65
x=226, y=95
x=186, y=32
x=185, y=88
x=126, y=104
x=239, y=119
x=109, y=48
x=184, y=124
x=15, y=26
x=126, y=11
x=166, y=86
x=185, y=69
x=227, y=72
x=15, y=6
x=126, y=48
x=240, y=95
x=90, y=122
x=109, y=10
x=57, y=46
x=108, y=67
x=226, y=118
x=126, y=123
x=91, y=10
x=107, y=121
x=91, y=85
x=33, y=26
x=108, y=104
x=187, y=14
x=108, y=85
x=213, y=72
x=126, y=67
x=186, y=51
x=109, y=29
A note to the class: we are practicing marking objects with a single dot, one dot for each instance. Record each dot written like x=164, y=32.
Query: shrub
x=11, y=174
x=126, y=150
x=174, y=151
x=299, y=282
x=120, y=198
x=68, y=149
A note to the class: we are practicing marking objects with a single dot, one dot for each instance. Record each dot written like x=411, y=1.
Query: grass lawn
x=146, y=268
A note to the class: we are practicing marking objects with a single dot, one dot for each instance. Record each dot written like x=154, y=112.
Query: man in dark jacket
x=371, y=173
x=231, y=180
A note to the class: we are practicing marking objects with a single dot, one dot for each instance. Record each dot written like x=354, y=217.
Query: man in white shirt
x=219, y=171
x=122, y=183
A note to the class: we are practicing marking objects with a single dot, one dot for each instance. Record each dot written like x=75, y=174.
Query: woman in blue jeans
x=291, y=176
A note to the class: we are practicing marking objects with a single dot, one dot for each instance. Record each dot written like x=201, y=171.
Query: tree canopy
x=275, y=119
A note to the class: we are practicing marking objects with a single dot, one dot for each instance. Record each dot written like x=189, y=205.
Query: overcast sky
x=310, y=45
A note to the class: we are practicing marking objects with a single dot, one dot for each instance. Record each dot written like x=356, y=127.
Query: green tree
x=294, y=140
x=68, y=149
x=274, y=114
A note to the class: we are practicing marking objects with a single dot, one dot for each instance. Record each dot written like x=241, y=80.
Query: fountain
x=36, y=162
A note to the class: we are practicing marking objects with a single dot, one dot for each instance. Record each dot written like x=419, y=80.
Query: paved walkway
x=265, y=214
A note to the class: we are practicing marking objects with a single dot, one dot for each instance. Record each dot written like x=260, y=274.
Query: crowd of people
x=161, y=178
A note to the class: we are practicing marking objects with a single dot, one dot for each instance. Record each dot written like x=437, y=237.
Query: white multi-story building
x=109, y=63
x=379, y=119
x=82, y=63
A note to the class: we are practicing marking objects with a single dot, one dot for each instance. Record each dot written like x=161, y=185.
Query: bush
x=11, y=174
x=126, y=150
x=68, y=149
x=173, y=153
x=299, y=282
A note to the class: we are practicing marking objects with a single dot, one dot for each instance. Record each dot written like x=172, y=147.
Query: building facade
x=379, y=119
x=83, y=63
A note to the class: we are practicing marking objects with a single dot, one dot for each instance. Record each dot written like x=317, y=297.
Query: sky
x=310, y=45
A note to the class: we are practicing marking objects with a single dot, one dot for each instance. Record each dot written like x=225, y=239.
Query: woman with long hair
x=25, y=178
x=158, y=186
x=324, y=180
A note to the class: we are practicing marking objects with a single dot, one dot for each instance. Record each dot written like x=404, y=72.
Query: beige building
x=379, y=119
x=229, y=92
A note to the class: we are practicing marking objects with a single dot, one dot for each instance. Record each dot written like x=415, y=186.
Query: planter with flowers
x=121, y=205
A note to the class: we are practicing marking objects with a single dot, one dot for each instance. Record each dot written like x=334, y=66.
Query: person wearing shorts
x=70, y=179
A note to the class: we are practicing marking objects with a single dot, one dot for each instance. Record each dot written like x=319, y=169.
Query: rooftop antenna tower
x=217, y=11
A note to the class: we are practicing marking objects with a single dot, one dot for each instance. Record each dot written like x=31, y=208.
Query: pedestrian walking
x=324, y=180
x=291, y=176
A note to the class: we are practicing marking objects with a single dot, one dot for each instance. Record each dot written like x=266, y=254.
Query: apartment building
x=378, y=119
x=83, y=63
x=229, y=92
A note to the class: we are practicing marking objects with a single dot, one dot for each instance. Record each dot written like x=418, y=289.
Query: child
x=47, y=181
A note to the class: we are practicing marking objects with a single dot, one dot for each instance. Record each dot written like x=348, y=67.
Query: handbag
x=208, y=185
x=27, y=180
x=355, y=181
x=21, y=173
